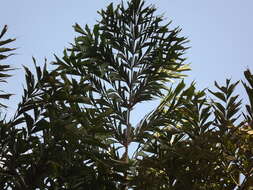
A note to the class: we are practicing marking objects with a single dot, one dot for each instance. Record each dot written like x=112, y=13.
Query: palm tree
x=73, y=128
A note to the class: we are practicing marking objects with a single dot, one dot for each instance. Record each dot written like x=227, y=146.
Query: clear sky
x=220, y=34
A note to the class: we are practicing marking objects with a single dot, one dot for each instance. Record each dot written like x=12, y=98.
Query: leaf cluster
x=73, y=127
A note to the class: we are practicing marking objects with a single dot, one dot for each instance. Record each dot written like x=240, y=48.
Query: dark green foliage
x=73, y=128
x=126, y=59
x=198, y=144
x=51, y=137
x=4, y=53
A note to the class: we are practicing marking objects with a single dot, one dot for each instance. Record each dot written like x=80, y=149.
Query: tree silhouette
x=73, y=128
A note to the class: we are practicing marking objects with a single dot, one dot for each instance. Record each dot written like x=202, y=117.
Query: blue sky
x=220, y=34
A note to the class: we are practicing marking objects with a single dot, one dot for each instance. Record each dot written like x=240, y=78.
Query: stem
x=127, y=134
x=130, y=103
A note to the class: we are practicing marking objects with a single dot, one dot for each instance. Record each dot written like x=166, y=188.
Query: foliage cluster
x=73, y=127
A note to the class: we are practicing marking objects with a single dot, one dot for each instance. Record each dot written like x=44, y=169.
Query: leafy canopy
x=73, y=128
